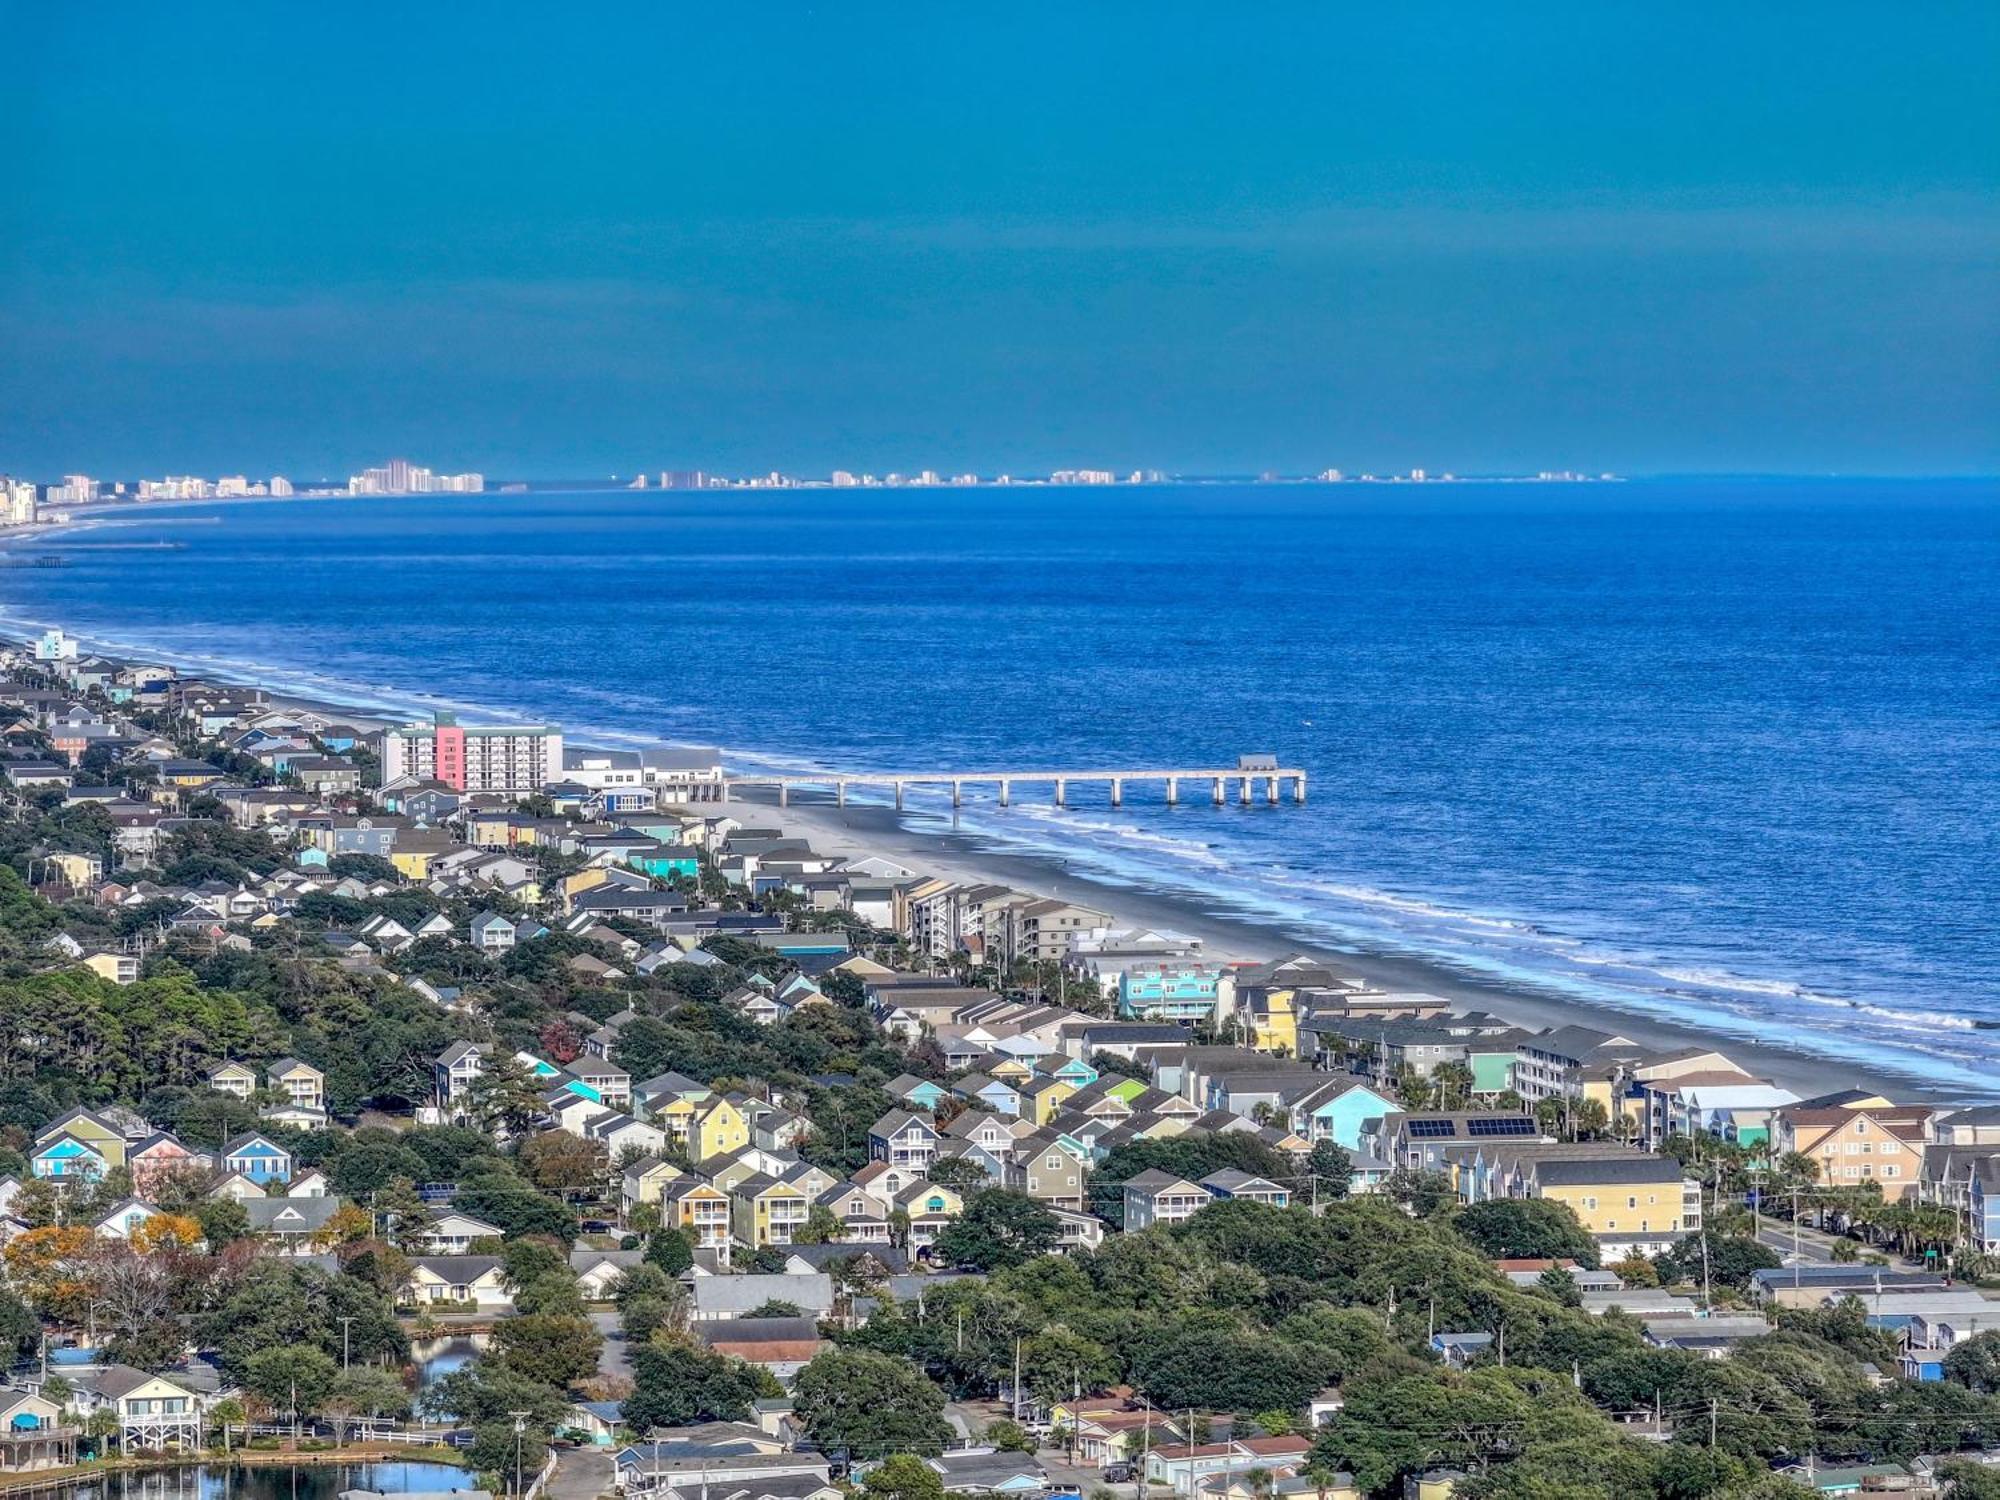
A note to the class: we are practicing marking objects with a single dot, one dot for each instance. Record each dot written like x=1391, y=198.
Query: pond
x=436, y=1358
x=219, y=1481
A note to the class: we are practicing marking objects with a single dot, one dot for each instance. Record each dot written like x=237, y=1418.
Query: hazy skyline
x=1174, y=237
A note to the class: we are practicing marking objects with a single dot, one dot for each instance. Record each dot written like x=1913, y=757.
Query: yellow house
x=1435, y=1484
x=413, y=863
x=768, y=1212
x=702, y=1209
x=1268, y=1014
x=1613, y=1196
x=77, y=869
x=861, y=967
x=647, y=1181
x=1042, y=1098
x=1860, y=1141
x=717, y=1129
x=676, y=1115
x=1011, y=1070
x=572, y=886
x=119, y=968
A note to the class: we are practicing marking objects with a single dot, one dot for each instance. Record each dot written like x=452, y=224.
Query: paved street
x=1813, y=1247
x=616, y=1358
x=581, y=1474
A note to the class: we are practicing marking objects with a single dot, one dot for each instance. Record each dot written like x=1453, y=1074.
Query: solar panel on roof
x=1501, y=1125
x=1425, y=1130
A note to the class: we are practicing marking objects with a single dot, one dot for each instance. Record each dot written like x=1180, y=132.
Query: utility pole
x=345, y=1329
x=1714, y=1409
x=520, y=1429
x=1795, y=1241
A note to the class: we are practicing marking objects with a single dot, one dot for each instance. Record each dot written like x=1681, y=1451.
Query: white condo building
x=516, y=759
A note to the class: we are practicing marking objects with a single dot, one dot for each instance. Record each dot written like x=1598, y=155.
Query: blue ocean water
x=1722, y=751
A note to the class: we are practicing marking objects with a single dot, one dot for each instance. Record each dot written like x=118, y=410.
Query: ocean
x=1725, y=752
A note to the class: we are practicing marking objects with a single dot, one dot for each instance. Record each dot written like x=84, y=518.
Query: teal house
x=664, y=866
x=1339, y=1118
x=67, y=1159
x=1159, y=992
x=1075, y=1072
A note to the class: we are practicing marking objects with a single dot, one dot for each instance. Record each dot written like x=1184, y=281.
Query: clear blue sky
x=568, y=240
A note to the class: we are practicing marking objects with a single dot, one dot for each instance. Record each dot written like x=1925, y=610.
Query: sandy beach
x=861, y=828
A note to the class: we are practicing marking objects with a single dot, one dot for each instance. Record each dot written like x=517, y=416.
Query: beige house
x=476, y=1279
x=1854, y=1144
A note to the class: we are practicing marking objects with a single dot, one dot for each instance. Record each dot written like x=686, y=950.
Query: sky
x=572, y=241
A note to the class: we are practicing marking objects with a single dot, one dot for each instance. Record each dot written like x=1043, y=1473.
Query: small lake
x=436, y=1358
x=269, y=1482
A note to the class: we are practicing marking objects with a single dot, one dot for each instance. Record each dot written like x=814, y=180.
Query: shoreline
x=958, y=854
x=935, y=843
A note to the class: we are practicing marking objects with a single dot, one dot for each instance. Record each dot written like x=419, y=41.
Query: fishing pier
x=1248, y=772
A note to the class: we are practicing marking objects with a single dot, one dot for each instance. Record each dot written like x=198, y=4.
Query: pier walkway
x=1245, y=774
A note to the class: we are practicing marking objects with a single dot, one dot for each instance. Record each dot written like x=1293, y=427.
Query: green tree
x=998, y=1229
x=1526, y=1228
x=903, y=1476
x=1731, y=1259
x=1560, y=1285
x=504, y=1096
x=671, y=1251
x=293, y=1379
x=487, y=1392
x=1208, y=1362
x=1331, y=1166
x=1968, y=1479
x=870, y=1405
x=1009, y=1436
x=673, y=1385
x=548, y=1346
x=516, y=1456
x=1975, y=1363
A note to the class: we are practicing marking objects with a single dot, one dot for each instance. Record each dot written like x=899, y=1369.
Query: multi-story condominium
x=1856, y=1138
x=1178, y=989
x=17, y=497
x=510, y=758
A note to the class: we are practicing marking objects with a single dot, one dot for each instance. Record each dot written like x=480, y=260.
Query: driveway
x=616, y=1357
x=581, y=1474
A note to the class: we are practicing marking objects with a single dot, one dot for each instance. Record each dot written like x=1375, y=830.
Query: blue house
x=1983, y=1203
x=67, y=1159
x=1339, y=1115
x=258, y=1158
x=1000, y=1097
x=917, y=1093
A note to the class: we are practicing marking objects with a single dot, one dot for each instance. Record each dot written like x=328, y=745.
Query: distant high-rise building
x=18, y=497
x=280, y=485
x=683, y=479
x=401, y=477
x=75, y=489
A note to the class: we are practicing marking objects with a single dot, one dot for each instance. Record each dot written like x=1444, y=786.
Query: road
x=615, y=1361
x=581, y=1474
x=1813, y=1247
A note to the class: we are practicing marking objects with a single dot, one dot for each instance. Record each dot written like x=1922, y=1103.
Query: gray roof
x=459, y=1270
x=730, y=1296
x=290, y=1215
